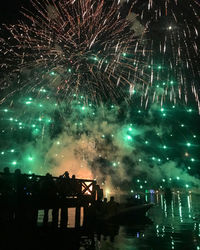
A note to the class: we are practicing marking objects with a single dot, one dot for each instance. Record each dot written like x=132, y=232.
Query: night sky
x=140, y=135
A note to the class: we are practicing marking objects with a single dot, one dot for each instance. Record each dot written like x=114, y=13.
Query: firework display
x=173, y=35
x=102, y=142
x=104, y=89
x=76, y=47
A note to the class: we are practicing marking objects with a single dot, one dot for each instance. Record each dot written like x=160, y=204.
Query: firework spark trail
x=77, y=47
x=174, y=31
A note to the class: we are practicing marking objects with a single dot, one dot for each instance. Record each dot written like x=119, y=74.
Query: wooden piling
x=64, y=217
x=78, y=216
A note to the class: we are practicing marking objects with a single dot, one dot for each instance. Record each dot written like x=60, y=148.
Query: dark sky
x=10, y=10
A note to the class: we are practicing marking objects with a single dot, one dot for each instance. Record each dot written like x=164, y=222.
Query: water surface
x=173, y=224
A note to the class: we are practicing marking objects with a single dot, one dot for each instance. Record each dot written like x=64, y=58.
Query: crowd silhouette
x=20, y=193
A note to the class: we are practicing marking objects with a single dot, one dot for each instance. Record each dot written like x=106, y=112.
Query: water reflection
x=176, y=225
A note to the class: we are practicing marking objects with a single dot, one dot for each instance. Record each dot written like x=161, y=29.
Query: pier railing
x=84, y=190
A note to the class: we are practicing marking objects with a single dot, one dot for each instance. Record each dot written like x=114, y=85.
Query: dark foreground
x=171, y=224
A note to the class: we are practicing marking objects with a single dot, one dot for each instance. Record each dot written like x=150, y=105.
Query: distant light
x=178, y=178
x=5, y=110
x=129, y=137
x=12, y=150
x=170, y=27
x=14, y=163
x=107, y=192
x=188, y=144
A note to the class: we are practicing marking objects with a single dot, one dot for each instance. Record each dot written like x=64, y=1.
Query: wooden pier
x=27, y=198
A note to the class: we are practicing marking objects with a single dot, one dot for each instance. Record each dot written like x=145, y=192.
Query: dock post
x=55, y=217
x=78, y=216
x=64, y=217
x=85, y=215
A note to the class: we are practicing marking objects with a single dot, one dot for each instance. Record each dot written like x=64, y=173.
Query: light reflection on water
x=175, y=225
